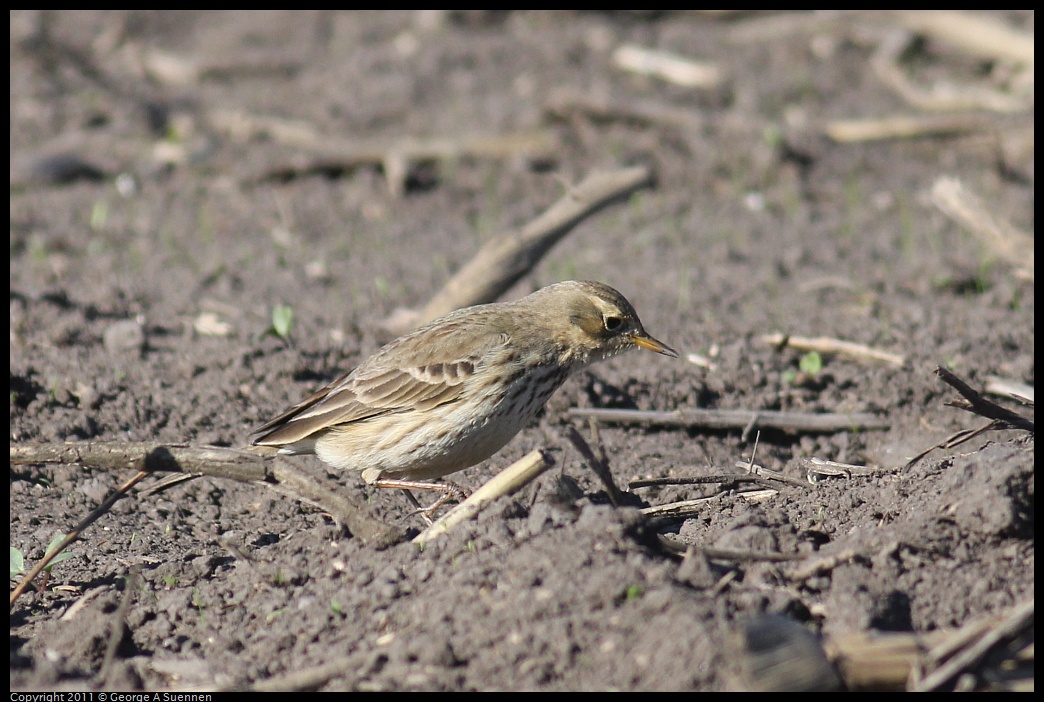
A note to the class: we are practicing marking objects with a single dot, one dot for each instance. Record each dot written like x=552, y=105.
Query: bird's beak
x=647, y=342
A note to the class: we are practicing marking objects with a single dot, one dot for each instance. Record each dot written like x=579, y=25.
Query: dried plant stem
x=506, y=482
x=835, y=347
x=738, y=419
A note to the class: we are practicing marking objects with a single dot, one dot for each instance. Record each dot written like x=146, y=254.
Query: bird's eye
x=612, y=323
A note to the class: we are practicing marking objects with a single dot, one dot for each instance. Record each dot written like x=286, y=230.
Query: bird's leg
x=417, y=508
x=449, y=492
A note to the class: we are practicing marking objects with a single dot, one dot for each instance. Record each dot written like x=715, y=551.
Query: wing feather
x=402, y=377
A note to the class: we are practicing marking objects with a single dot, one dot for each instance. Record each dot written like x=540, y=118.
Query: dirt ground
x=175, y=176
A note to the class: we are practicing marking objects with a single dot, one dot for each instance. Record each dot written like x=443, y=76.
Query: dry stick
x=972, y=401
x=506, y=482
x=956, y=440
x=836, y=347
x=977, y=404
x=721, y=478
x=666, y=66
x=969, y=210
x=874, y=660
x=821, y=565
x=504, y=260
x=244, y=466
x=599, y=466
x=737, y=419
x=941, y=96
x=983, y=36
x=686, y=508
x=149, y=456
x=326, y=152
x=308, y=679
x=75, y=533
x=727, y=554
x=331, y=497
x=768, y=474
x=119, y=619
x=565, y=104
x=905, y=127
x=1015, y=624
x=757, y=475
x=995, y=385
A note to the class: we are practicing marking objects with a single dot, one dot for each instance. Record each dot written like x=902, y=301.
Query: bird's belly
x=444, y=442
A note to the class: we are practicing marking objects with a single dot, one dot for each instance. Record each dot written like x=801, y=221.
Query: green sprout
x=282, y=319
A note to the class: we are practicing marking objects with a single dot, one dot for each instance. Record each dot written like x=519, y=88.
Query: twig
x=669, y=67
x=874, y=660
x=832, y=346
x=767, y=474
x=977, y=404
x=971, y=212
x=326, y=152
x=1014, y=625
x=728, y=554
x=846, y=131
x=75, y=533
x=972, y=401
x=119, y=620
x=956, y=440
x=565, y=104
x=738, y=419
x=1004, y=387
x=504, y=260
x=821, y=565
x=720, y=478
x=974, y=33
x=309, y=679
x=506, y=482
x=940, y=96
x=686, y=508
x=219, y=462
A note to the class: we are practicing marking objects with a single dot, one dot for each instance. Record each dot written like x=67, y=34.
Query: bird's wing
x=399, y=378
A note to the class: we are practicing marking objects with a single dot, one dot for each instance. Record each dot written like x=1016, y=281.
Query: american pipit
x=455, y=391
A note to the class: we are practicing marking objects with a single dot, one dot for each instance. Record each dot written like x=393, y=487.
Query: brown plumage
x=455, y=391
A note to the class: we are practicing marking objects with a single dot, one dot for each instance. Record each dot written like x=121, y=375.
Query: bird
x=455, y=391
